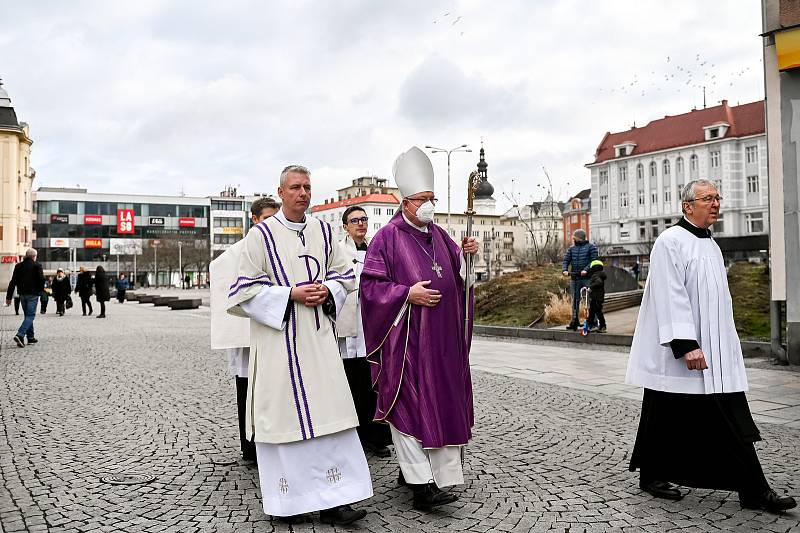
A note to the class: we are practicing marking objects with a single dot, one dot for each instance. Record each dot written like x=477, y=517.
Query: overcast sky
x=157, y=97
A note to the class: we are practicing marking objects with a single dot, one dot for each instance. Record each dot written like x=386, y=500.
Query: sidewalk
x=774, y=395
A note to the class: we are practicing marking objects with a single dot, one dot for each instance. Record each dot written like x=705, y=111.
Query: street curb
x=749, y=348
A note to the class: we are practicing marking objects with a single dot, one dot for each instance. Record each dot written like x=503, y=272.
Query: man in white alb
x=229, y=332
x=293, y=278
x=696, y=428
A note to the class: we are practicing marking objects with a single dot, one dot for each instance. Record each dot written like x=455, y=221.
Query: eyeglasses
x=423, y=200
x=707, y=199
x=361, y=220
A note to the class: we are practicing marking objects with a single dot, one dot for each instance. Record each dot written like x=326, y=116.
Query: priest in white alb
x=293, y=278
x=696, y=429
x=232, y=333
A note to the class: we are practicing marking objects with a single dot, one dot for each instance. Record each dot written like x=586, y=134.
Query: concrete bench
x=622, y=300
x=130, y=296
x=187, y=303
x=160, y=301
x=145, y=298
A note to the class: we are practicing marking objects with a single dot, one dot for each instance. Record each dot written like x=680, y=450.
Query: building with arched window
x=17, y=177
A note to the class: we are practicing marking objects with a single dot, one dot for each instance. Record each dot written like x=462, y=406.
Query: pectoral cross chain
x=437, y=268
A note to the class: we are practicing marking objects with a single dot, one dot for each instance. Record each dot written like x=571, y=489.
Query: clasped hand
x=469, y=245
x=310, y=295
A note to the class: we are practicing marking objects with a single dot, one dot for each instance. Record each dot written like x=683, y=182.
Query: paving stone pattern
x=140, y=392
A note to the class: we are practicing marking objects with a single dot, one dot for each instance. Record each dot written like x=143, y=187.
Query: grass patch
x=518, y=298
x=749, y=285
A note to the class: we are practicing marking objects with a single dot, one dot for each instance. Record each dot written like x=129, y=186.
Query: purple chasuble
x=420, y=359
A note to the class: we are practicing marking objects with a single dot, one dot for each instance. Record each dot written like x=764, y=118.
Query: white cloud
x=154, y=97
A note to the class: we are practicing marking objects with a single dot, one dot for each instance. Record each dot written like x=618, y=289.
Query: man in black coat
x=61, y=291
x=84, y=286
x=28, y=280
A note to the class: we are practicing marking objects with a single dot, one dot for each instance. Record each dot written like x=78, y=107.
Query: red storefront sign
x=92, y=219
x=125, y=222
x=8, y=259
x=92, y=243
x=186, y=222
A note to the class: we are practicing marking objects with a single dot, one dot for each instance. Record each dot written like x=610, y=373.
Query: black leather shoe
x=341, y=516
x=661, y=489
x=428, y=496
x=32, y=340
x=768, y=500
x=294, y=519
x=377, y=451
x=21, y=343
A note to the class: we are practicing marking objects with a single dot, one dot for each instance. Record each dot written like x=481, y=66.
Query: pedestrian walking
x=696, y=428
x=597, y=295
x=375, y=437
x=44, y=298
x=121, y=285
x=232, y=333
x=413, y=299
x=187, y=281
x=61, y=292
x=578, y=257
x=292, y=279
x=101, y=290
x=635, y=270
x=84, y=287
x=28, y=281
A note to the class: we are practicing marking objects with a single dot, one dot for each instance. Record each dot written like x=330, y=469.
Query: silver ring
x=430, y=302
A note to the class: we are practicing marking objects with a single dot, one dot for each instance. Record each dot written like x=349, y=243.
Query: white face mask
x=425, y=212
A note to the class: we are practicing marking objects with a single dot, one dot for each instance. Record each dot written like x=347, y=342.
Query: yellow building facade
x=16, y=179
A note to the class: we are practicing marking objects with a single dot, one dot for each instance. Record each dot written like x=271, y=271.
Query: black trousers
x=85, y=302
x=248, y=447
x=102, y=308
x=365, y=399
x=720, y=426
x=60, y=306
x=596, y=313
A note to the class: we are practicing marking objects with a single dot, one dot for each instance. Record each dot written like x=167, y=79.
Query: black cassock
x=365, y=399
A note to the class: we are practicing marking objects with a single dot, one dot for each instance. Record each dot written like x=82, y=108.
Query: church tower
x=484, y=203
x=16, y=179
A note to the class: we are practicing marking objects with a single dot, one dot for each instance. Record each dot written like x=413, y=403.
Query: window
x=640, y=197
x=653, y=197
x=713, y=133
x=752, y=184
x=603, y=177
x=639, y=172
x=573, y=218
x=508, y=234
x=642, y=230
x=693, y=166
x=376, y=225
x=653, y=169
x=751, y=154
x=623, y=199
x=666, y=167
x=653, y=229
x=377, y=210
x=623, y=173
x=714, y=156
x=667, y=195
x=755, y=222
x=604, y=202
x=679, y=167
x=719, y=226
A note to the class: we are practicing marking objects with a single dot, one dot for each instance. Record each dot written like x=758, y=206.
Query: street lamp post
x=180, y=262
x=434, y=150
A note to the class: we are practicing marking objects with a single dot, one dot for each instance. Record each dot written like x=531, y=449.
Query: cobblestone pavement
x=140, y=392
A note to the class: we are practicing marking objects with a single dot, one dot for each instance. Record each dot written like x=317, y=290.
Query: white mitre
x=413, y=172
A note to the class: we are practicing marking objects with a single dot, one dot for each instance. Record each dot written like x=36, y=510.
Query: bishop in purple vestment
x=412, y=306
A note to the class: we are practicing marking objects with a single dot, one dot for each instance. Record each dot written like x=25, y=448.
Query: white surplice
x=228, y=332
x=349, y=326
x=300, y=412
x=686, y=297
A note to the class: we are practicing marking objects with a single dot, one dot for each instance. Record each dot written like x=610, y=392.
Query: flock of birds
x=701, y=75
x=451, y=20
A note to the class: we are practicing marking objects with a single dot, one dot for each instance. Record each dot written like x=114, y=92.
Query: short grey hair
x=297, y=169
x=31, y=252
x=580, y=234
x=688, y=191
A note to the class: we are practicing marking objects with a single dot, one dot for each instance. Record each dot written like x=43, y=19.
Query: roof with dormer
x=684, y=130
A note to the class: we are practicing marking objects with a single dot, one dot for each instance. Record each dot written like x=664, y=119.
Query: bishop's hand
x=419, y=295
x=695, y=360
x=469, y=245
